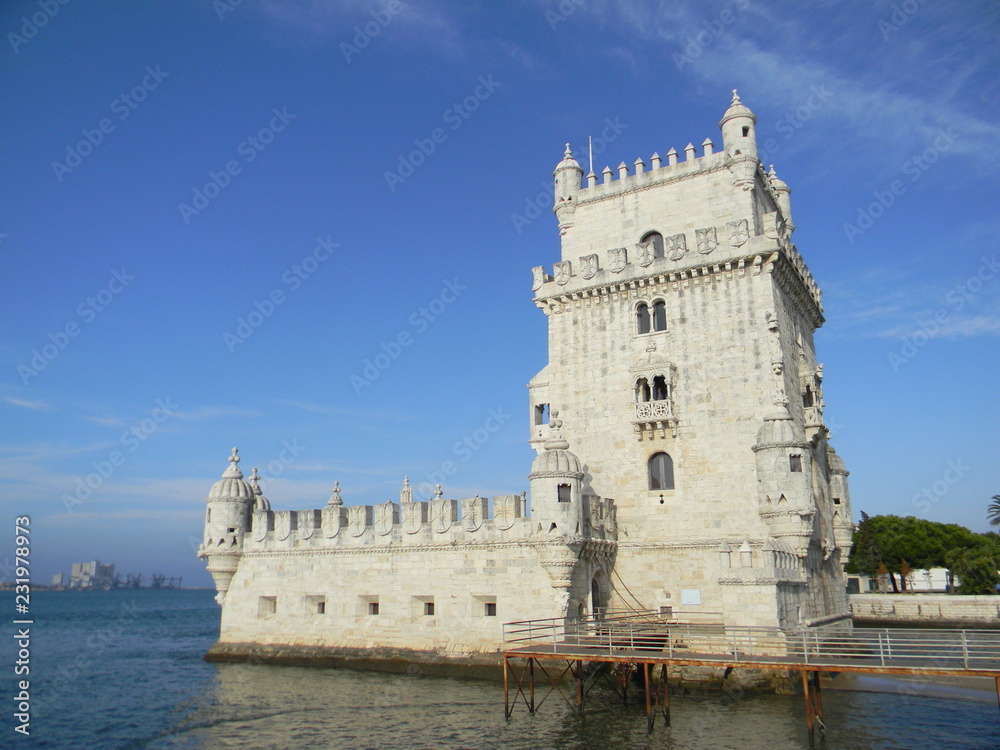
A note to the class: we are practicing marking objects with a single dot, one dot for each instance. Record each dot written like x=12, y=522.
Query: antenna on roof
x=590, y=142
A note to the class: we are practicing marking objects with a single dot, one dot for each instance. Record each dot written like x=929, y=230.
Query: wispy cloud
x=894, y=97
x=34, y=405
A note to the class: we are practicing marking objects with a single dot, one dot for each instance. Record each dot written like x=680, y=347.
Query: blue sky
x=172, y=169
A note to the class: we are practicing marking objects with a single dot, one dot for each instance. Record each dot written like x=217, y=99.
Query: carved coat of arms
x=563, y=271
x=676, y=246
x=537, y=278
x=738, y=232
x=414, y=515
x=645, y=252
x=473, y=514
x=333, y=519
x=588, y=266
x=707, y=240
x=357, y=519
x=617, y=259
x=441, y=515
x=504, y=511
x=385, y=515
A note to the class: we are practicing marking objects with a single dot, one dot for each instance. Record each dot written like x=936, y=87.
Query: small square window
x=564, y=493
x=491, y=609
x=428, y=609
x=836, y=501
x=267, y=606
x=316, y=605
x=373, y=608
x=795, y=463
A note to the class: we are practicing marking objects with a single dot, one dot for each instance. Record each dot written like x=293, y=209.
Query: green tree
x=993, y=512
x=976, y=570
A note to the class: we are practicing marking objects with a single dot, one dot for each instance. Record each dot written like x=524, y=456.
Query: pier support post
x=506, y=688
x=650, y=716
x=531, y=685
x=814, y=705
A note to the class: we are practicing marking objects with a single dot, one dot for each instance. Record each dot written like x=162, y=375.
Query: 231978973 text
x=22, y=624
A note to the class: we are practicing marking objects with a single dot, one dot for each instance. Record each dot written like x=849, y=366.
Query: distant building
x=91, y=575
x=59, y=580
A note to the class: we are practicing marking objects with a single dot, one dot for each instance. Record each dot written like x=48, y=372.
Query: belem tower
x=682, y=461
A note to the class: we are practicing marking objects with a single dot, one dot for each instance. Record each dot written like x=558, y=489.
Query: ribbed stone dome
x=779, y=427
x=261, y=503
x=737, y=109
x=232, y=486
x=568, y=162
x=835, y=462
x=556, y=459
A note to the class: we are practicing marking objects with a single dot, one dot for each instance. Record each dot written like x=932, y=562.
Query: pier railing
x=648, y=634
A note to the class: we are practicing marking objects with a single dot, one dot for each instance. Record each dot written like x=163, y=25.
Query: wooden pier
x=614, y=647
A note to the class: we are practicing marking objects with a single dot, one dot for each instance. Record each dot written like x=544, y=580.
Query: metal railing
x=650, y=635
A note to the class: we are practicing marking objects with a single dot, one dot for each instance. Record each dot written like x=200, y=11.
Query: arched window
x=659, y=316
x=661, y=472
x=642, y=318
x=660, y=392
x=642, y=393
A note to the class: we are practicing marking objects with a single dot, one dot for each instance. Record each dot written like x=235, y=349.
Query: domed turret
x=739, y=140
x=261, y=503
x=230, y=505
x=779, y=428
x=556, y=484
x=784, y=464
x=738, y=129
x=568, y=176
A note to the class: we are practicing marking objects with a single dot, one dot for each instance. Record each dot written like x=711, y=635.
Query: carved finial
x=438, y=494
x=255, y=481
x=233, y=470
x=736, y=98
x=569, y=153
x=335, y=498
x=406, y=494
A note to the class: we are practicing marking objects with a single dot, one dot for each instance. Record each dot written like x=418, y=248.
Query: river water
x=124, y=669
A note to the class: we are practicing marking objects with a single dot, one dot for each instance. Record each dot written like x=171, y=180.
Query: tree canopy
x=897, y=544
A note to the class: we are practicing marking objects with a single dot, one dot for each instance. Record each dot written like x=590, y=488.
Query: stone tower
x=230, y=506
x=681, y=320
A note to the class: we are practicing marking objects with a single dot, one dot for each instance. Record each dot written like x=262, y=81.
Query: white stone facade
x=682, y=372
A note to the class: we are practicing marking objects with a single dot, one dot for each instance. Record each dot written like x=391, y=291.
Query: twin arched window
x=661, y=472
x=658, y=391
x=651, y=318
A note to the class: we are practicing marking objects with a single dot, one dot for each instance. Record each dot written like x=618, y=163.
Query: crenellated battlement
x=622, y=181
x=416, y=524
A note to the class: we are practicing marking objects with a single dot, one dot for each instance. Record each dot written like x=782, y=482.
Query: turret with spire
x=228, y=517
